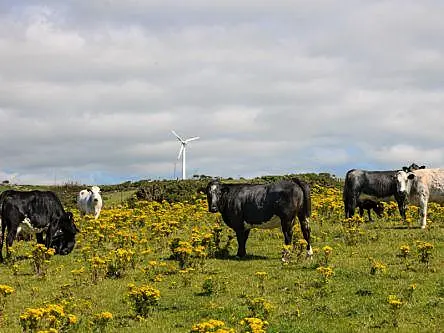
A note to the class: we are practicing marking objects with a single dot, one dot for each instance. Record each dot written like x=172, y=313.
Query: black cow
x=43, y=211
x=245, y=206
x=380, y=184
x=368, y=205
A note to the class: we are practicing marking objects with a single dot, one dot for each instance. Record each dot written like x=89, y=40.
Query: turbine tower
x=182, y=151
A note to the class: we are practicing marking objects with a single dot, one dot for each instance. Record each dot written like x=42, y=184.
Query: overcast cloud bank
x=90, y=90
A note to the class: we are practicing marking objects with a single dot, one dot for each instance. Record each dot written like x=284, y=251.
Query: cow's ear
x=411, y=176
x=405, y=169
x=422, y=167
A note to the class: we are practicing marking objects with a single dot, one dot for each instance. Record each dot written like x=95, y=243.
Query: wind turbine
x=182, y=151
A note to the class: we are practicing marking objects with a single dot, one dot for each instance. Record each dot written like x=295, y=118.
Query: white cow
x=422, y=186
x=90, y=202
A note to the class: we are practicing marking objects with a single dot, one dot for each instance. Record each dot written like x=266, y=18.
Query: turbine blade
x=182, y=147
x=192, y=139
x=177, y=136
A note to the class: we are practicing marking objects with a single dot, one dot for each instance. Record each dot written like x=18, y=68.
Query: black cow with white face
x=41, y=211
x=246, y=206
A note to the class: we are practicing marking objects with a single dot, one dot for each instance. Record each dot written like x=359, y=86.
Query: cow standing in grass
x=421, y=186
x=369, y=205
x=90, y=202
x=380, y=184
x=246, y=206
x=42, y=212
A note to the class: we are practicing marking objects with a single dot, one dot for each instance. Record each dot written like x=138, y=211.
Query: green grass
x=117, y=197
x=353, y=300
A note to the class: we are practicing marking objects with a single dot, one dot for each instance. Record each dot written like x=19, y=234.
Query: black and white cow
x=44, y=212
x=380, y=184
x=246, y=206
x=422, y=186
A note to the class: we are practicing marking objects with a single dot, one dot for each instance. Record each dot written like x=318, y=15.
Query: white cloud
x=92, y=89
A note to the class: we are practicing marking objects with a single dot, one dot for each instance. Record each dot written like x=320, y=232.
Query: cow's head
x=404, y=182
x=413, y=167
x=213, y=192
x=95, y=194
x=379, y=208
x=64, y=238
x=63, y=243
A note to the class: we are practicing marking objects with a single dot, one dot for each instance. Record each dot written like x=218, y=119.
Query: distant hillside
x=169, y=190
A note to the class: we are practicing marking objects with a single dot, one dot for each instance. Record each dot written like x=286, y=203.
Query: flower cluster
x=211, y=325
x=254, y=325
x=377, y=266
x=52, y=316
x=326, y=273
x=424, y=251
x=40, y=258
x=143, y=298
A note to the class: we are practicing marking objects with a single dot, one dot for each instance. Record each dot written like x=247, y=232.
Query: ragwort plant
x=50, y=317
x=211, y=325
x=424, y=250
x=254, y=325
x=5, y=291
x=143, y=299
x=40, y=256
x=101, y=321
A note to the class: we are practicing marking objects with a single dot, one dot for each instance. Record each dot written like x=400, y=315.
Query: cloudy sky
x=91, y=89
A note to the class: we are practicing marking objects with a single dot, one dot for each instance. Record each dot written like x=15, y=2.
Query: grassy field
x=169, y=267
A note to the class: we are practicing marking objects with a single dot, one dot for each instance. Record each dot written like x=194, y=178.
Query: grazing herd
x=242, y=206
x=42, y=213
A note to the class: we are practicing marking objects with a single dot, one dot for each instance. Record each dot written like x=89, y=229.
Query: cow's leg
x=305, y=227
x=287, y=230
x=361, y=211
x=12, y=232
x=2, y=236
x=423, y=200
x=369, y=215
x=48, y=239
x=242, y=236
x=351, y=205
x=39, y=237
x=401, y=200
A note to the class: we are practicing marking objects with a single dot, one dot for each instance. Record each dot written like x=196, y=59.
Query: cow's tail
x=306, y=205
x=348, y=195
x=2, y=198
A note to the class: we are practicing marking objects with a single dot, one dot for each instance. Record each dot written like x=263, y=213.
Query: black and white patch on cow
x=246, y=206
x=42, y=212
x=421, y=187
